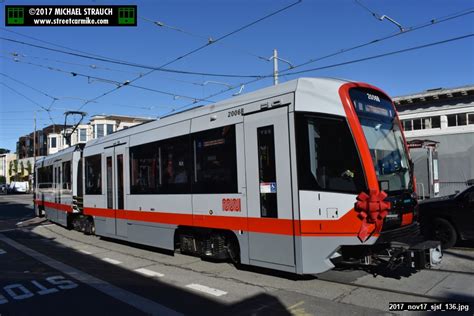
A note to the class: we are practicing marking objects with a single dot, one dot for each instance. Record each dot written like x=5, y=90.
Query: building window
x=417, y=124
x=100, y=130
x=53, y=142
x=470, y=118
x=460, y=119
x=83, y=135
x=422, y=123
x=110, y=129
x=407, y=125
x=435, y=122
x=93, y=174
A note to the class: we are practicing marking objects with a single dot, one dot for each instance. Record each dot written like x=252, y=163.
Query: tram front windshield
x=384, y=137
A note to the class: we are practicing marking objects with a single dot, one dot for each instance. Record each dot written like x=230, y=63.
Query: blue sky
x=308, y=30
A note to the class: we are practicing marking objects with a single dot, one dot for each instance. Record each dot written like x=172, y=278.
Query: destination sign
x=369, y=102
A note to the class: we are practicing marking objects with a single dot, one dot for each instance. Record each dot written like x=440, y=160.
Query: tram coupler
x=422, y=255
x=426, y=254
x=392, y=255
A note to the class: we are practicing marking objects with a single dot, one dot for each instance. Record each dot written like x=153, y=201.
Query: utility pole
x=33, y=182
x=275, y=67
x=34, y=137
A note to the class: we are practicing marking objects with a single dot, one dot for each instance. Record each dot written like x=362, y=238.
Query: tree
x=3, y=180
x=22, y=168
x=15, y=169
x=29, y=167
x=10, y=168
x=4, y=151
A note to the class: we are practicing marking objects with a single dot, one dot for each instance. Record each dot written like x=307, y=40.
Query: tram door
x=57, y=190
x=269, y=203
x=114, y=189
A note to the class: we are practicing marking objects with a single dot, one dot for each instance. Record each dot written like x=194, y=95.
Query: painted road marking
x=112, y=261
x=143, y=304
x=85, y=251
x=19, y=291
x=150, y=273
x=206, y=289
x=2, y=252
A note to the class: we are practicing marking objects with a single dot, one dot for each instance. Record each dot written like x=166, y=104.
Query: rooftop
x=436, y=94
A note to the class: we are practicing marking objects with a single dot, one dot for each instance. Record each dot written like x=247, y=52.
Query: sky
x=309, y=30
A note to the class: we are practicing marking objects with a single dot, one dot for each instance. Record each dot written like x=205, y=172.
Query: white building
x=98, y=126
x=5, y=165
x=445, y=116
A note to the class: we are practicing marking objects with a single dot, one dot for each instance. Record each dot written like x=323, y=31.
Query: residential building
x=445, y=116
x=25, y=146
x=51, y=139
x=5, y=170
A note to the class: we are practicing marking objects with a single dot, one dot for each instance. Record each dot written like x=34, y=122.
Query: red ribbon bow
x=372, y=210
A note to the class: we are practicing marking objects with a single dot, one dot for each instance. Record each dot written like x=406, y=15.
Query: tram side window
x=144, y=169
x=175, y=165
x=66, y=175
x=215, y=161
x=93, y=174
x=327, y=156
x=45, y=177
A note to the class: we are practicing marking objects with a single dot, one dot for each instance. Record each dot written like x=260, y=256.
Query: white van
x=19, y=187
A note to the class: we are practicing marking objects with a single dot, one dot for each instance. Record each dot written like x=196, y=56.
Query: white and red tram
x=292, y=177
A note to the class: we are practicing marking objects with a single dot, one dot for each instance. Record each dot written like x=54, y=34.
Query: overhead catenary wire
x=47, y=109
x=89, y=66
x=199, y=48
x=44, y=108
x=24, y=96
x=111, y=81
x=330, y=66
x=130, y=64
x=27, y=85
x=19, y=56
x=431, y=22
x=381, y=55
x=375, y=14
x=383, y=38
x=206, y=38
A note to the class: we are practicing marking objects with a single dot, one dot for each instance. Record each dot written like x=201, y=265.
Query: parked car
x=450, y=218
x=18, y=187
x=3, y=188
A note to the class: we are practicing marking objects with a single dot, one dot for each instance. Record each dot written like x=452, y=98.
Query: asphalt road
x=49, y=270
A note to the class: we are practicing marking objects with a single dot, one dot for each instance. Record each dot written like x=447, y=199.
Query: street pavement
x=46, y=269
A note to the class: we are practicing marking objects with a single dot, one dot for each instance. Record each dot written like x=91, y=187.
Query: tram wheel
x=90, y=227
x=444, y=231
x=233, y=250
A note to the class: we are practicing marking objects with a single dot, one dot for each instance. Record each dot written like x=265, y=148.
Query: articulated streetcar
x=294, y=177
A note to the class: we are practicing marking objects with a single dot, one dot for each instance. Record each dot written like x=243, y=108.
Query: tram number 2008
x=235, y=112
